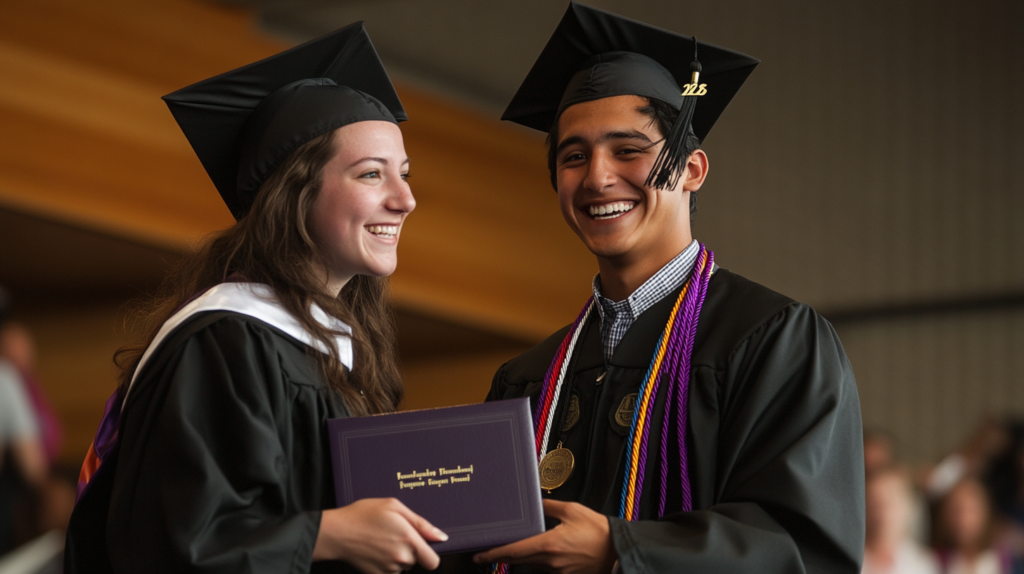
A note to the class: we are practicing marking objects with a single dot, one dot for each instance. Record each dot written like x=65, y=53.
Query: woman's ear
x=695, y=171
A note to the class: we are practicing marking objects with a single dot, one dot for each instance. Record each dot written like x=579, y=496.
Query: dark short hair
x=660, y=112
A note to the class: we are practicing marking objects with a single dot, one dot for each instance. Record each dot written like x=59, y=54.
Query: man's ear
x=695, y=171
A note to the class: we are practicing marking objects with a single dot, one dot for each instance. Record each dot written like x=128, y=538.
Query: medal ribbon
x=544, y=418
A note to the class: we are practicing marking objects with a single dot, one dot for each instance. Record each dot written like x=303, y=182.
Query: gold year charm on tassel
x=555, y=468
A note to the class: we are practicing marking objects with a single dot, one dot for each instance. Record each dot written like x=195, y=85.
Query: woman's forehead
x=370, y=138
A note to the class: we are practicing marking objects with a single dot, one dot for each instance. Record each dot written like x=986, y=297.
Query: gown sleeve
x=787, y=467
x=202, y=482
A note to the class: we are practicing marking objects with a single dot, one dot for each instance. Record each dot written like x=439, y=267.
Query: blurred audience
x=976, y=496
x=890, y=505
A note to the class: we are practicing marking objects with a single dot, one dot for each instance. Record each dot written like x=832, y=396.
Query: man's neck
x=622, y=275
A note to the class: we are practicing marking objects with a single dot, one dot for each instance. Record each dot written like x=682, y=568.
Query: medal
x=555, y=468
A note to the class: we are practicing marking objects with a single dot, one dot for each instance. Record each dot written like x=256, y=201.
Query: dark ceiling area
x=48, y=266
x=46, y=263
x=474, y=51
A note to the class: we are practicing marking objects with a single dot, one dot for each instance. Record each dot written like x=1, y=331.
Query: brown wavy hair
x=272, y=244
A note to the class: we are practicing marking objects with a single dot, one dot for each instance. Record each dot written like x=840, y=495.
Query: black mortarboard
x=242, y=124
x=595, y=54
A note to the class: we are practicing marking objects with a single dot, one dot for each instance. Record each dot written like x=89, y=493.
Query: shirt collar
x=669, y=278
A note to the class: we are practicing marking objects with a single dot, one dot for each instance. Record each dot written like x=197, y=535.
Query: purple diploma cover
x=470, y=470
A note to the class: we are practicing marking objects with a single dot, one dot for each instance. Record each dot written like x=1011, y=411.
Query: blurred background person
x=880, y=455
x=890, y=547
x=22, y=455
x=1004, y=480
x=18, y=349
x=992, y=459
x=966, y=532
x=986, y=444
x=879, y=450
x=33, y=499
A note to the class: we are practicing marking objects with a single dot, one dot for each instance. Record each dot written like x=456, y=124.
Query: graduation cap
x=242, y=124
x=595, y=54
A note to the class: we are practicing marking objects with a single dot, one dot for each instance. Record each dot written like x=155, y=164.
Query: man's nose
x=599, y=172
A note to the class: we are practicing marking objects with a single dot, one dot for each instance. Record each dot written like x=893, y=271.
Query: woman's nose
x=401, y=199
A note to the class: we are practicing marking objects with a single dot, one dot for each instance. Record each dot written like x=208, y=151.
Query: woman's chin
x=381, y=268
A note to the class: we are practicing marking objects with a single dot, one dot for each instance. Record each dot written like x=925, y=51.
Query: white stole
x=254, y=300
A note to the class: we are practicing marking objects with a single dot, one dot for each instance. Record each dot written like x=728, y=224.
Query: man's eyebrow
x=630, y=135
x=627, y=135
x=568, y=142
x=376, y=159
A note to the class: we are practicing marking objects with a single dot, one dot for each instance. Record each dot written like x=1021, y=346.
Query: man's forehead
x=617, y=116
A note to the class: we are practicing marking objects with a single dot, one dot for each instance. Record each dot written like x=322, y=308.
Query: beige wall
x=930, y=380
x=874, y=159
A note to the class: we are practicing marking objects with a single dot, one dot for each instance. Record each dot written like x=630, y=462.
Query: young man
x=690, y=420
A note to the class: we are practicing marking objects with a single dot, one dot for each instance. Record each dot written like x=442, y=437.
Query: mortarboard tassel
x=668, y=167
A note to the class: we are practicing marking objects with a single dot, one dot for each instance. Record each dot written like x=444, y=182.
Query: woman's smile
x=387, y=232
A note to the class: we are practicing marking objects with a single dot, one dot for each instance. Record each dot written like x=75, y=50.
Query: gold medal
x=555, y=468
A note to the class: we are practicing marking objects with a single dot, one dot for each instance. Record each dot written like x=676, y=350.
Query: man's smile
x=610, y=210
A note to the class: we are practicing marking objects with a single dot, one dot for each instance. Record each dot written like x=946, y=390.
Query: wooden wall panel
x=75, y=347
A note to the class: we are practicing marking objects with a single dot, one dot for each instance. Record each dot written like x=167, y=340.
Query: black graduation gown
x=223, y=463
x=774, y=438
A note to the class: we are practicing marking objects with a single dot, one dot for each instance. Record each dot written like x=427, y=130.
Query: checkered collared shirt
x=617, y=317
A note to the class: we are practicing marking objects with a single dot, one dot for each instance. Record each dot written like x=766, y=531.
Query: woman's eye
x=370, y=175
x=406, y=175
x=629, y=151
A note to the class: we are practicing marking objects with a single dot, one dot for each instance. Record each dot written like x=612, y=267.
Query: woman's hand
x=377, y=535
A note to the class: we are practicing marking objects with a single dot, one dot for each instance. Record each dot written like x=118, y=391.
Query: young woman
x=214, y=454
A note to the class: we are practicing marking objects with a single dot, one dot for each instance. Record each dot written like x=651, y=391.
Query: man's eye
x=629, y=151
x=575, y=156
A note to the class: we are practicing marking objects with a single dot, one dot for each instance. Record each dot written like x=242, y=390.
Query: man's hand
x=581, y=544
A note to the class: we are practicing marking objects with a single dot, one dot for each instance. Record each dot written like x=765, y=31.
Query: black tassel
x=668, y=167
